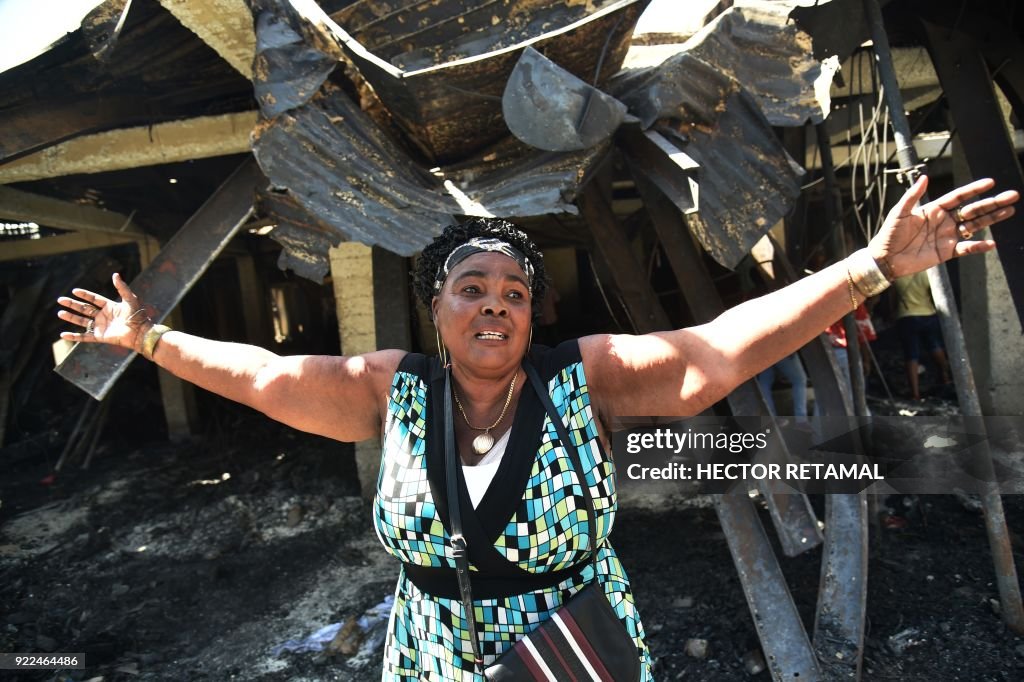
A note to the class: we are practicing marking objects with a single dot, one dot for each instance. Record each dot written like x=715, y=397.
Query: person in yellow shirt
x=917, y=323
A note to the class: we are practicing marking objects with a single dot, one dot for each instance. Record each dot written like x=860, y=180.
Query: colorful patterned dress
x=532, y=515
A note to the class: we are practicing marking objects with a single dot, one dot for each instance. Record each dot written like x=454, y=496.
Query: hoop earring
x=529, y=343
x=442, y=352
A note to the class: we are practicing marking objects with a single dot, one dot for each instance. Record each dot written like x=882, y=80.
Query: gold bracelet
x=863, y=271
x=152, y=338
x=849, y=284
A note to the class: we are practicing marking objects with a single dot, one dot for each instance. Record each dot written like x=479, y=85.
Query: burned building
x=283, y=161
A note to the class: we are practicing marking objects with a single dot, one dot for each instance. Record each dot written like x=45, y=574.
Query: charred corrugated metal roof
x=445, y=91
x=337, y=175
x=759, y=46
x=747, y=181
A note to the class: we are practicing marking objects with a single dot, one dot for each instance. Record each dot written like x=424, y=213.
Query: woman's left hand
x=915, y=238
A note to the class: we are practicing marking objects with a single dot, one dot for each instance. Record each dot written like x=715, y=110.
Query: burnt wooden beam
x=19, y=205
x=610, y=244
x=23, y=249
x=224, y=25
x=163, y=283
x=184, y=140
x=31, y=127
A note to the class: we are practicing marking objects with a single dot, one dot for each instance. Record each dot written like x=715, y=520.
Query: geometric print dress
x=527, y=538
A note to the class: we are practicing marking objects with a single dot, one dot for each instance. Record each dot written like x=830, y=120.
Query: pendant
x=483, y=443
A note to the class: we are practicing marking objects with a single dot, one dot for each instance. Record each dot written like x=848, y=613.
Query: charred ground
x=157, y=566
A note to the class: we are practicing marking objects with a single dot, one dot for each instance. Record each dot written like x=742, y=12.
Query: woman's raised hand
x=915, y=238
x=120, y=323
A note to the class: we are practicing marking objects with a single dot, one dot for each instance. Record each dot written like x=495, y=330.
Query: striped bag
x=584, y=640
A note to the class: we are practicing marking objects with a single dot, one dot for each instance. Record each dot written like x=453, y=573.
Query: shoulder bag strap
x=455, y=518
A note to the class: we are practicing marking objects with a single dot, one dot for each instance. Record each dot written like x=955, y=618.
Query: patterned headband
x=482, y=245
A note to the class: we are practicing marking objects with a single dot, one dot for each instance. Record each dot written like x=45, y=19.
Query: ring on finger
x=88, y=327
x=958, y=215
x=964, y=232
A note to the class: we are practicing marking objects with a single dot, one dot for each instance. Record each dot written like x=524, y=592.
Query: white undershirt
x=479, y=476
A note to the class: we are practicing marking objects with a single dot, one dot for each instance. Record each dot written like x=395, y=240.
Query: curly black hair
x=436, y=253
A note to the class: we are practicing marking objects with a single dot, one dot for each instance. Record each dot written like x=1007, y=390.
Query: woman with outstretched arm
x=483, y=283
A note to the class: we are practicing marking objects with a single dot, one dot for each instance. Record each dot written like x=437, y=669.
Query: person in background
x=917, y=323
x=793, y=370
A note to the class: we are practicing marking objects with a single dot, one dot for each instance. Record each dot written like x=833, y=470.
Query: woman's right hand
x=119, y=323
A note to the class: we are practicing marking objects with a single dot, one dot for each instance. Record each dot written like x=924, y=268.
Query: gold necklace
x=485, y=441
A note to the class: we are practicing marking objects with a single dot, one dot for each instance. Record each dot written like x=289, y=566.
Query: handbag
x=583, y=639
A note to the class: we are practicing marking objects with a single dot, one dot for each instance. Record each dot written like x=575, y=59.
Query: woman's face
x=484, y=312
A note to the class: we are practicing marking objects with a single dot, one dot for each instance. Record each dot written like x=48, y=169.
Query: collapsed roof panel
x=445, y=94
x=747, y=181
x=337, y=175
x=761, y=48
x=338, y=165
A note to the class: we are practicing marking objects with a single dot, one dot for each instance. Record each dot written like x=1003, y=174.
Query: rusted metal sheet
x=354, y=184
x=761, y=48
x=747, y=180
x=337, y=175
x=338, y=165
x=95, y=367
x=442, y=79
x=286, y=71
x=547, y=107
x=838, y=27
x=512, y=180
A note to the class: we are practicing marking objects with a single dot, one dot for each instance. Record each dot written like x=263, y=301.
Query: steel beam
x=987, y=142
x=95, y=367
x=787, y=650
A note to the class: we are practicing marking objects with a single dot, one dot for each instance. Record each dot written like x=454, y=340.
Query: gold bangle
x=863, y=271
x=152, y=338
x=849, y=284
